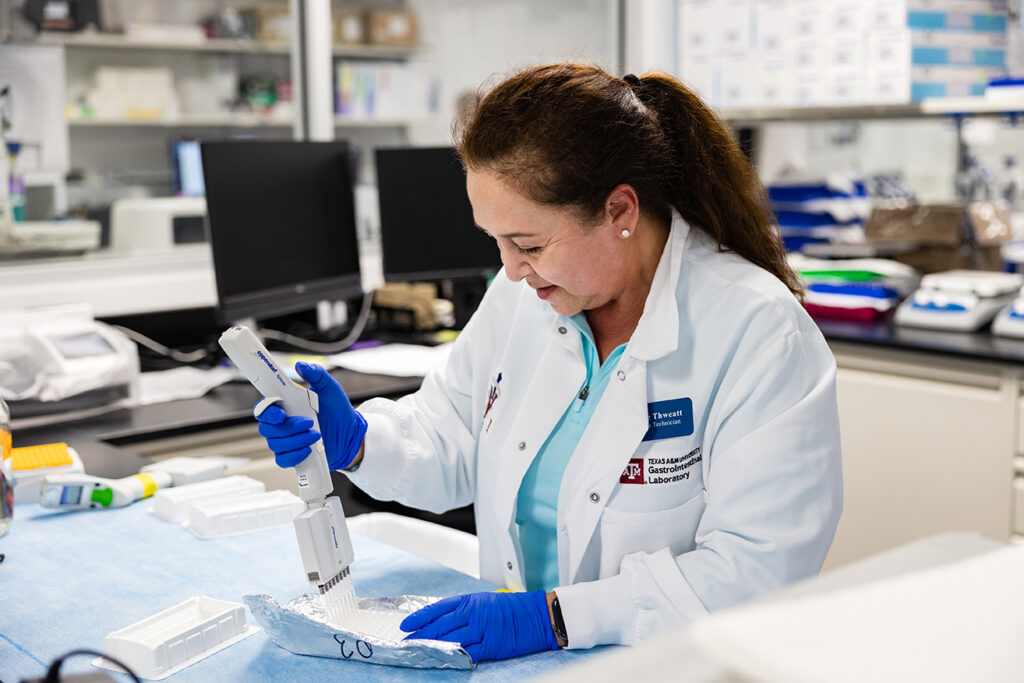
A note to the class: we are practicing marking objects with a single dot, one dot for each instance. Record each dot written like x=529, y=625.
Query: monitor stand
x=465, y=294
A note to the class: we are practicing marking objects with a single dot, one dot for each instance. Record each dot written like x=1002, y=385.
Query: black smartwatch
x=558, y=623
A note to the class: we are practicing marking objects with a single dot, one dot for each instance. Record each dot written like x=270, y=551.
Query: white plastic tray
x=173, y=504
x=215, y=518
x=169, y=641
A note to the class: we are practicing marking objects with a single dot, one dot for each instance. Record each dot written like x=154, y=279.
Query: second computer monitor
x=426, y=220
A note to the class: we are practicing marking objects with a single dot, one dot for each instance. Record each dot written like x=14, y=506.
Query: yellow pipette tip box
x=31, y=464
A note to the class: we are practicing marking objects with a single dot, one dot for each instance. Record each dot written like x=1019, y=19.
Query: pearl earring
x=625, y=233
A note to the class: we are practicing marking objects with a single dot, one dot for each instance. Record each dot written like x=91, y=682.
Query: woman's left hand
x=487, y=625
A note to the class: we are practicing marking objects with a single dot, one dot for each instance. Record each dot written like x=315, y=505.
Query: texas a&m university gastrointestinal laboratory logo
x=665, y=420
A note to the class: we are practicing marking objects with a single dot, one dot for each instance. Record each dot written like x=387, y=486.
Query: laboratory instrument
x=322, y=533
x=964, y=300
x=1009, y=322
x=80, y=491
x=158, y=224
x=57, y=359
x=282, y=225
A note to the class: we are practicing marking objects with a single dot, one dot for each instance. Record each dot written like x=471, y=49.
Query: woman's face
x=572, y=265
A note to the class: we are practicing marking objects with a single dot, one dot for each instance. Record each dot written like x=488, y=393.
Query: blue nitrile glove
x=487, y=625
x=343, y=427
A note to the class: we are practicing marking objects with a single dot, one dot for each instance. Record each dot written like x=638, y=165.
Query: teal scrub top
x=537, y=503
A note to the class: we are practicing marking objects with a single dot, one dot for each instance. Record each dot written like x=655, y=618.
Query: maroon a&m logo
x=634, y=472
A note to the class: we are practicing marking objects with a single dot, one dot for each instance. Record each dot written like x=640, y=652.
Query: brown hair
x=568, y=134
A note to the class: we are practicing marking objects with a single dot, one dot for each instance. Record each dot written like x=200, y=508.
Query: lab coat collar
x=657, y=333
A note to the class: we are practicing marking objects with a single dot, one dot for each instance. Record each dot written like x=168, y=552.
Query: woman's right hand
x=342, y=426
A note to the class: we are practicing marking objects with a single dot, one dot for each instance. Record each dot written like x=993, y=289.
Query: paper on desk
x=958, y=622
x=180, y=383
x=400, y=360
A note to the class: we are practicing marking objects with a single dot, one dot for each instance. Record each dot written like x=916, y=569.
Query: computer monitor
x=426, y=220
x=187, y=168
x=282, y=225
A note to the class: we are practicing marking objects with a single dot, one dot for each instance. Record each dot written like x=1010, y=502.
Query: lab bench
x=931, y=426
x=71, y=578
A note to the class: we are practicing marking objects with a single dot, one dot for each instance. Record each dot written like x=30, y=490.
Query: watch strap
x=558, y=623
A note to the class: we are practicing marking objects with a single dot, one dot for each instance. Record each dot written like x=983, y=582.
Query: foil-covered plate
x=371, y=634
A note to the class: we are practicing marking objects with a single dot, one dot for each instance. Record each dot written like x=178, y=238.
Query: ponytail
x=567, y=134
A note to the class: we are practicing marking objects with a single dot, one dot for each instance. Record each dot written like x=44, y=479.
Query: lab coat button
x=508, y=565
x=621, y=375
x=522, y=445
x=595, y=497
x=562, y=330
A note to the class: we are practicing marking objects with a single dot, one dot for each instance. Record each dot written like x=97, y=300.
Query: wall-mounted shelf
x=233, y=120
x=118, y=41
x=188, y=120
x=973, y=106
x=831, y=113
x=929, y=107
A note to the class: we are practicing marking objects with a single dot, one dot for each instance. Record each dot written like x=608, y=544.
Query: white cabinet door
x=921, y=456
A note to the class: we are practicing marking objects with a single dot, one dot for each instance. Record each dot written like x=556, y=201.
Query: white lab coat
x=756, y=510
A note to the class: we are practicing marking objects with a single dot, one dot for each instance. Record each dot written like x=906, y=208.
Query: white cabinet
x=928, y=446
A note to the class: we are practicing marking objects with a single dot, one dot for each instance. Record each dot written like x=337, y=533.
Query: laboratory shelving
x=217, y=45
x=930, y=107
x=232, y=120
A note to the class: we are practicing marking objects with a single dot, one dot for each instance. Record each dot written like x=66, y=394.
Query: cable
x=152, y=345
x=332, y=347
x=53, y=673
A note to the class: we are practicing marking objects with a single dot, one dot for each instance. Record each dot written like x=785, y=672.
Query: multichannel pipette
x=81, y=491
x=322, y=532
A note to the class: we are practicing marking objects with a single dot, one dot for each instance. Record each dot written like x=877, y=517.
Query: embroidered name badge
x=667, y=419
x=634, y=472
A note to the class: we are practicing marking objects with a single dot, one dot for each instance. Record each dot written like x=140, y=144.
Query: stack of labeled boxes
x=792, y=53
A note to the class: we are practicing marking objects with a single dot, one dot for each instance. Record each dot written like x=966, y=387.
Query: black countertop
x=982, y=345
x=104, y=441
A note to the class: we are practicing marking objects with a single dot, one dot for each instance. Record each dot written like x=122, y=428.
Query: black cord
x=53, y=673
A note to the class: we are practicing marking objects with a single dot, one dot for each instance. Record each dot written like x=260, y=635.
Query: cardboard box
x=845, y=86
x=738, y=80
x=702, y=73
x=701, y=25
x=773, y=25
x=949, y=236
x=392, y=27
x=273, y=24
x=885, y=14
x=774, y=86
x=847, y=16
x=736, y=33
x=349, y=27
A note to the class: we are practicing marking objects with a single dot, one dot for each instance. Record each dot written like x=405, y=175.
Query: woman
x=640, y=409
